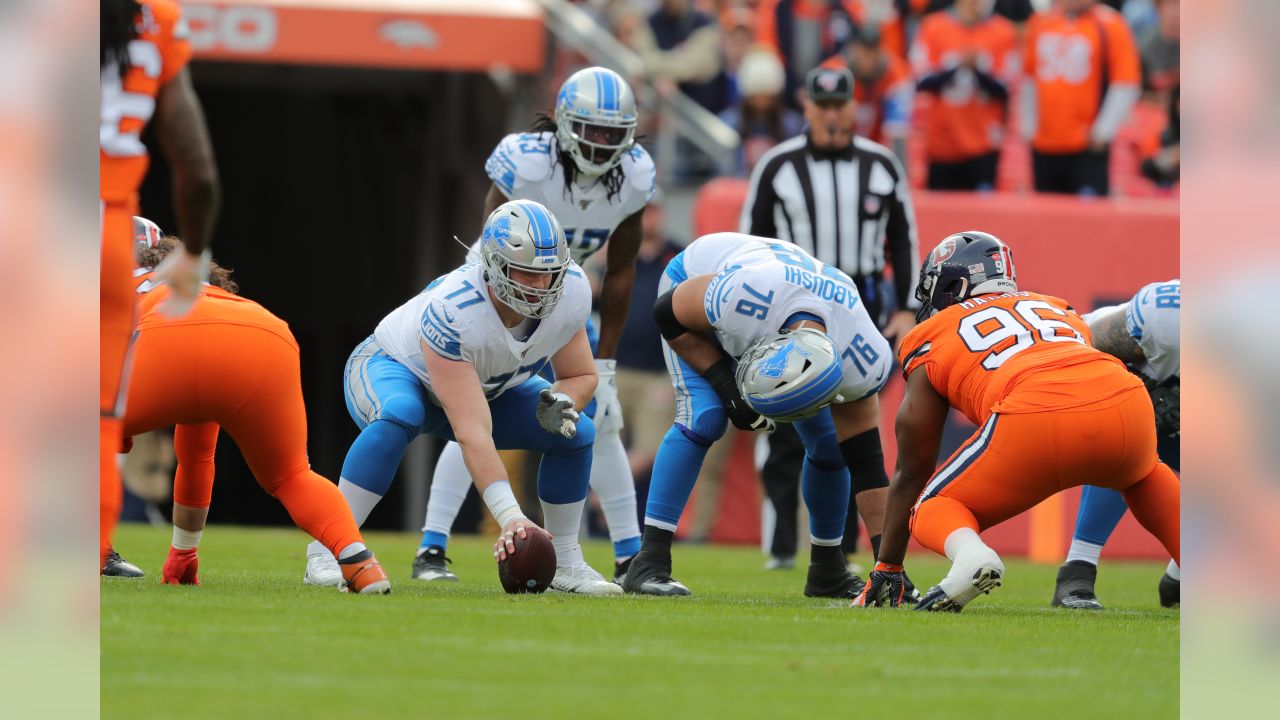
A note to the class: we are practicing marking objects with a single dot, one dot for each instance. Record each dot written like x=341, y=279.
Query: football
x=532, y=566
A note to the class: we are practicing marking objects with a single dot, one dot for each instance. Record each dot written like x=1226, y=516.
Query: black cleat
x=620, y=570
x=1075, y=586
x=832, y=581
x=1170, y=591
x=432, y=565
x=117, y=566
x=985, y=579
x=648, y=576
x=937, y=601
x=910, y=593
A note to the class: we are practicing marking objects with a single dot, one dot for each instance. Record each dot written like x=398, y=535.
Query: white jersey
x=524, y=168
x=455, y=317
x=1153, y=319
x=760, y=285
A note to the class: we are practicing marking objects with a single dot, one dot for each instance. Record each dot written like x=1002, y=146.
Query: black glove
x=1166, y=398
x=741, y=414
x=886, y=587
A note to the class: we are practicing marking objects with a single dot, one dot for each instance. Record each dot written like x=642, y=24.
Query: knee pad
x=404, y=410
x=865, y=458
x=825, y=455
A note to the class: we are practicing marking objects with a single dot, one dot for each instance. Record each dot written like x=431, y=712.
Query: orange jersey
x=214, y=306
x=890, y=26
x=1067, y=55
x=1015, y=352
x=158, y=54
x=965, y=122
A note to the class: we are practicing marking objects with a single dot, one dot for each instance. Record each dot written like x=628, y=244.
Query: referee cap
x=830, y=84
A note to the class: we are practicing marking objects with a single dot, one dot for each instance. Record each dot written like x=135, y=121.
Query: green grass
x=253, y=642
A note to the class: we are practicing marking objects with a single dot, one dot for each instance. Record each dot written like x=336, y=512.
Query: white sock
x=563, y=521
x=611, y=480
x=449, y=485
x=1174, y=571
x=186, y=539
x=967, y=552
x=1086, y=551
x=354, y=548
x=361, y=501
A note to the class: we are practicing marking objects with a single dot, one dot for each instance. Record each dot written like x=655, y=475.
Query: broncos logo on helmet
x=964, y=265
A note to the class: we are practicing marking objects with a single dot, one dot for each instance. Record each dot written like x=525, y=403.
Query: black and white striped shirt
x=845, y=207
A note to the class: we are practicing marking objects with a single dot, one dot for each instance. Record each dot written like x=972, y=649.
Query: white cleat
x=581, y=578
x=955, y=591
x=323, y=570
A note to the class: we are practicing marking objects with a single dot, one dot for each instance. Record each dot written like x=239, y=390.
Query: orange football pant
x=1015, y=461
x=245, y=379
x=115, y=324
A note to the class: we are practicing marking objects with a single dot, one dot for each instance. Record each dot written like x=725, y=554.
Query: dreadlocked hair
x=545, y=122
x=219, y=276
x=118, y=25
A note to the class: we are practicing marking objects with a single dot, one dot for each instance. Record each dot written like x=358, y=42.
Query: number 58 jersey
x=1015, y=352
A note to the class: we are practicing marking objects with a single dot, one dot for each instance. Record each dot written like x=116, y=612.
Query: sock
x=1174, y=571
x=612, y=482
x=350, y=551
x=1084, y=550
x=186, y=539
x=657, y=542
x=826, y=494
x=449, y=485
x=318, y=507
x=826, y=555
x=675, y=470
x=1156, y=502
x=563, y=522
x=875, y=545
x=361, y=501
x=1101, y=510
x=937, y=518
x=967, y=552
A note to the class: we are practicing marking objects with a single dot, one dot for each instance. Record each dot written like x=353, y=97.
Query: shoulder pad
x=641, y=173
x=520, y=157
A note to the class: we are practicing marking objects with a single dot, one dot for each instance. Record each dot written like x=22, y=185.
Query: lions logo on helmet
x=595, y=118
x=523, y=235
x=792, y=375
x=964, y=265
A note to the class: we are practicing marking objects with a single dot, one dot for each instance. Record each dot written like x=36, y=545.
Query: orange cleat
x=365, y=577
x=180, y=567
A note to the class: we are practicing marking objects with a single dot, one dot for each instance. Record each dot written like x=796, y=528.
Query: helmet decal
x=774, y=365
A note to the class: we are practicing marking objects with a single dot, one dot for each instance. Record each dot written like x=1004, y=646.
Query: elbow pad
x=665, y=315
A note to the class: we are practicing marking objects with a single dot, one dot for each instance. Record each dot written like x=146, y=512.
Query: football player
x=1052, y=413
x=460, y=361
x=231, y=364
x=1143, y=333
x=806, y=352
x=584, y=166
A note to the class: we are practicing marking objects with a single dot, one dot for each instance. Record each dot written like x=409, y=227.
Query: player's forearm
x=697, y=351
x=903, y=491
x=481, y=458
x=579, y=387
x=615, y=303
x=196, y=198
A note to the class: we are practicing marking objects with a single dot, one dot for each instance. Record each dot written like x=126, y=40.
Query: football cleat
x=985, y=579
x=431, y=565
x=180, y=567
x=1074, y=588
x=832, y=581
x=647, y=576
x=365, y=577
x=116, y=566
x=323, y=570
x=1170, y=591
x=780, y=563
x=620, y=570
x=582, y=579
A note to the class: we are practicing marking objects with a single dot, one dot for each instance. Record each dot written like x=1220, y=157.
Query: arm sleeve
x=903, y=245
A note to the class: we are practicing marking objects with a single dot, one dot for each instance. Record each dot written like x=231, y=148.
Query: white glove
x=608, y=409
x=556, y=413
x=184, y=273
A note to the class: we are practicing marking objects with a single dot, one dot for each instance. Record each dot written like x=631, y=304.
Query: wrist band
x=502, y=503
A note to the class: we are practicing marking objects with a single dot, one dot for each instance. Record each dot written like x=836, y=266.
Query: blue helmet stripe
x=544, y=234
x=802, y=398
x=612, y=83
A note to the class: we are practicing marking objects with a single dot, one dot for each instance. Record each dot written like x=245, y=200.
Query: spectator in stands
x=883, y=90
x=964, y=59
x=805, y=32
x=1160, y=50
x=682, y=45
x=1082, y=81
x=761, y=119
x=1015, y=11
x=1163, y=167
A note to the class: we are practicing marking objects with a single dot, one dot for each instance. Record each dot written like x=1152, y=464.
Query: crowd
x=1073, y=96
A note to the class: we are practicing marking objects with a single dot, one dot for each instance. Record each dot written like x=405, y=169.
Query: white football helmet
x=523, y=235
x=790, y=375
x=146, y=234
x=595, y=119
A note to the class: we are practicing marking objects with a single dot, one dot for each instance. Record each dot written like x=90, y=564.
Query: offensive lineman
x=807, y=352
x=585, y=167
x=1142, y=333
x=461, y=361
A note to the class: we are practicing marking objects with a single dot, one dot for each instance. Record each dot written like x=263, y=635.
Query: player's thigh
x=1110, y=444
x=164, y=380
x=377, y=387
x=698, y=408
x=116, y=305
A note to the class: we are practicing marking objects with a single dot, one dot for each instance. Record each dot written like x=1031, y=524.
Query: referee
x=844, y=199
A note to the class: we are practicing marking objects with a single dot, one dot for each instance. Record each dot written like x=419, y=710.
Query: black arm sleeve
x=900, y=237
x=665, y=316
x=934, y=82
x=757, y=216
x=992, y=86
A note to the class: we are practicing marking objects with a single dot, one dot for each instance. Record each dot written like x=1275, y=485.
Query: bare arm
x=458, y=389
x=619, y=277
x=575, y=370
x=1111, y=336
x=493, y=199
x=184, y=138
x=919, y=430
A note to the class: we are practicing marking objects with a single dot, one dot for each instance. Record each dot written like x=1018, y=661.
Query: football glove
x=608, y=410
x=740, y=412
x=556, y=414
x=885, y=588
x=1166, y=398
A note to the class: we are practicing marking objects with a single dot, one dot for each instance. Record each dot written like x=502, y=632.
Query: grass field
x=253, y=642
